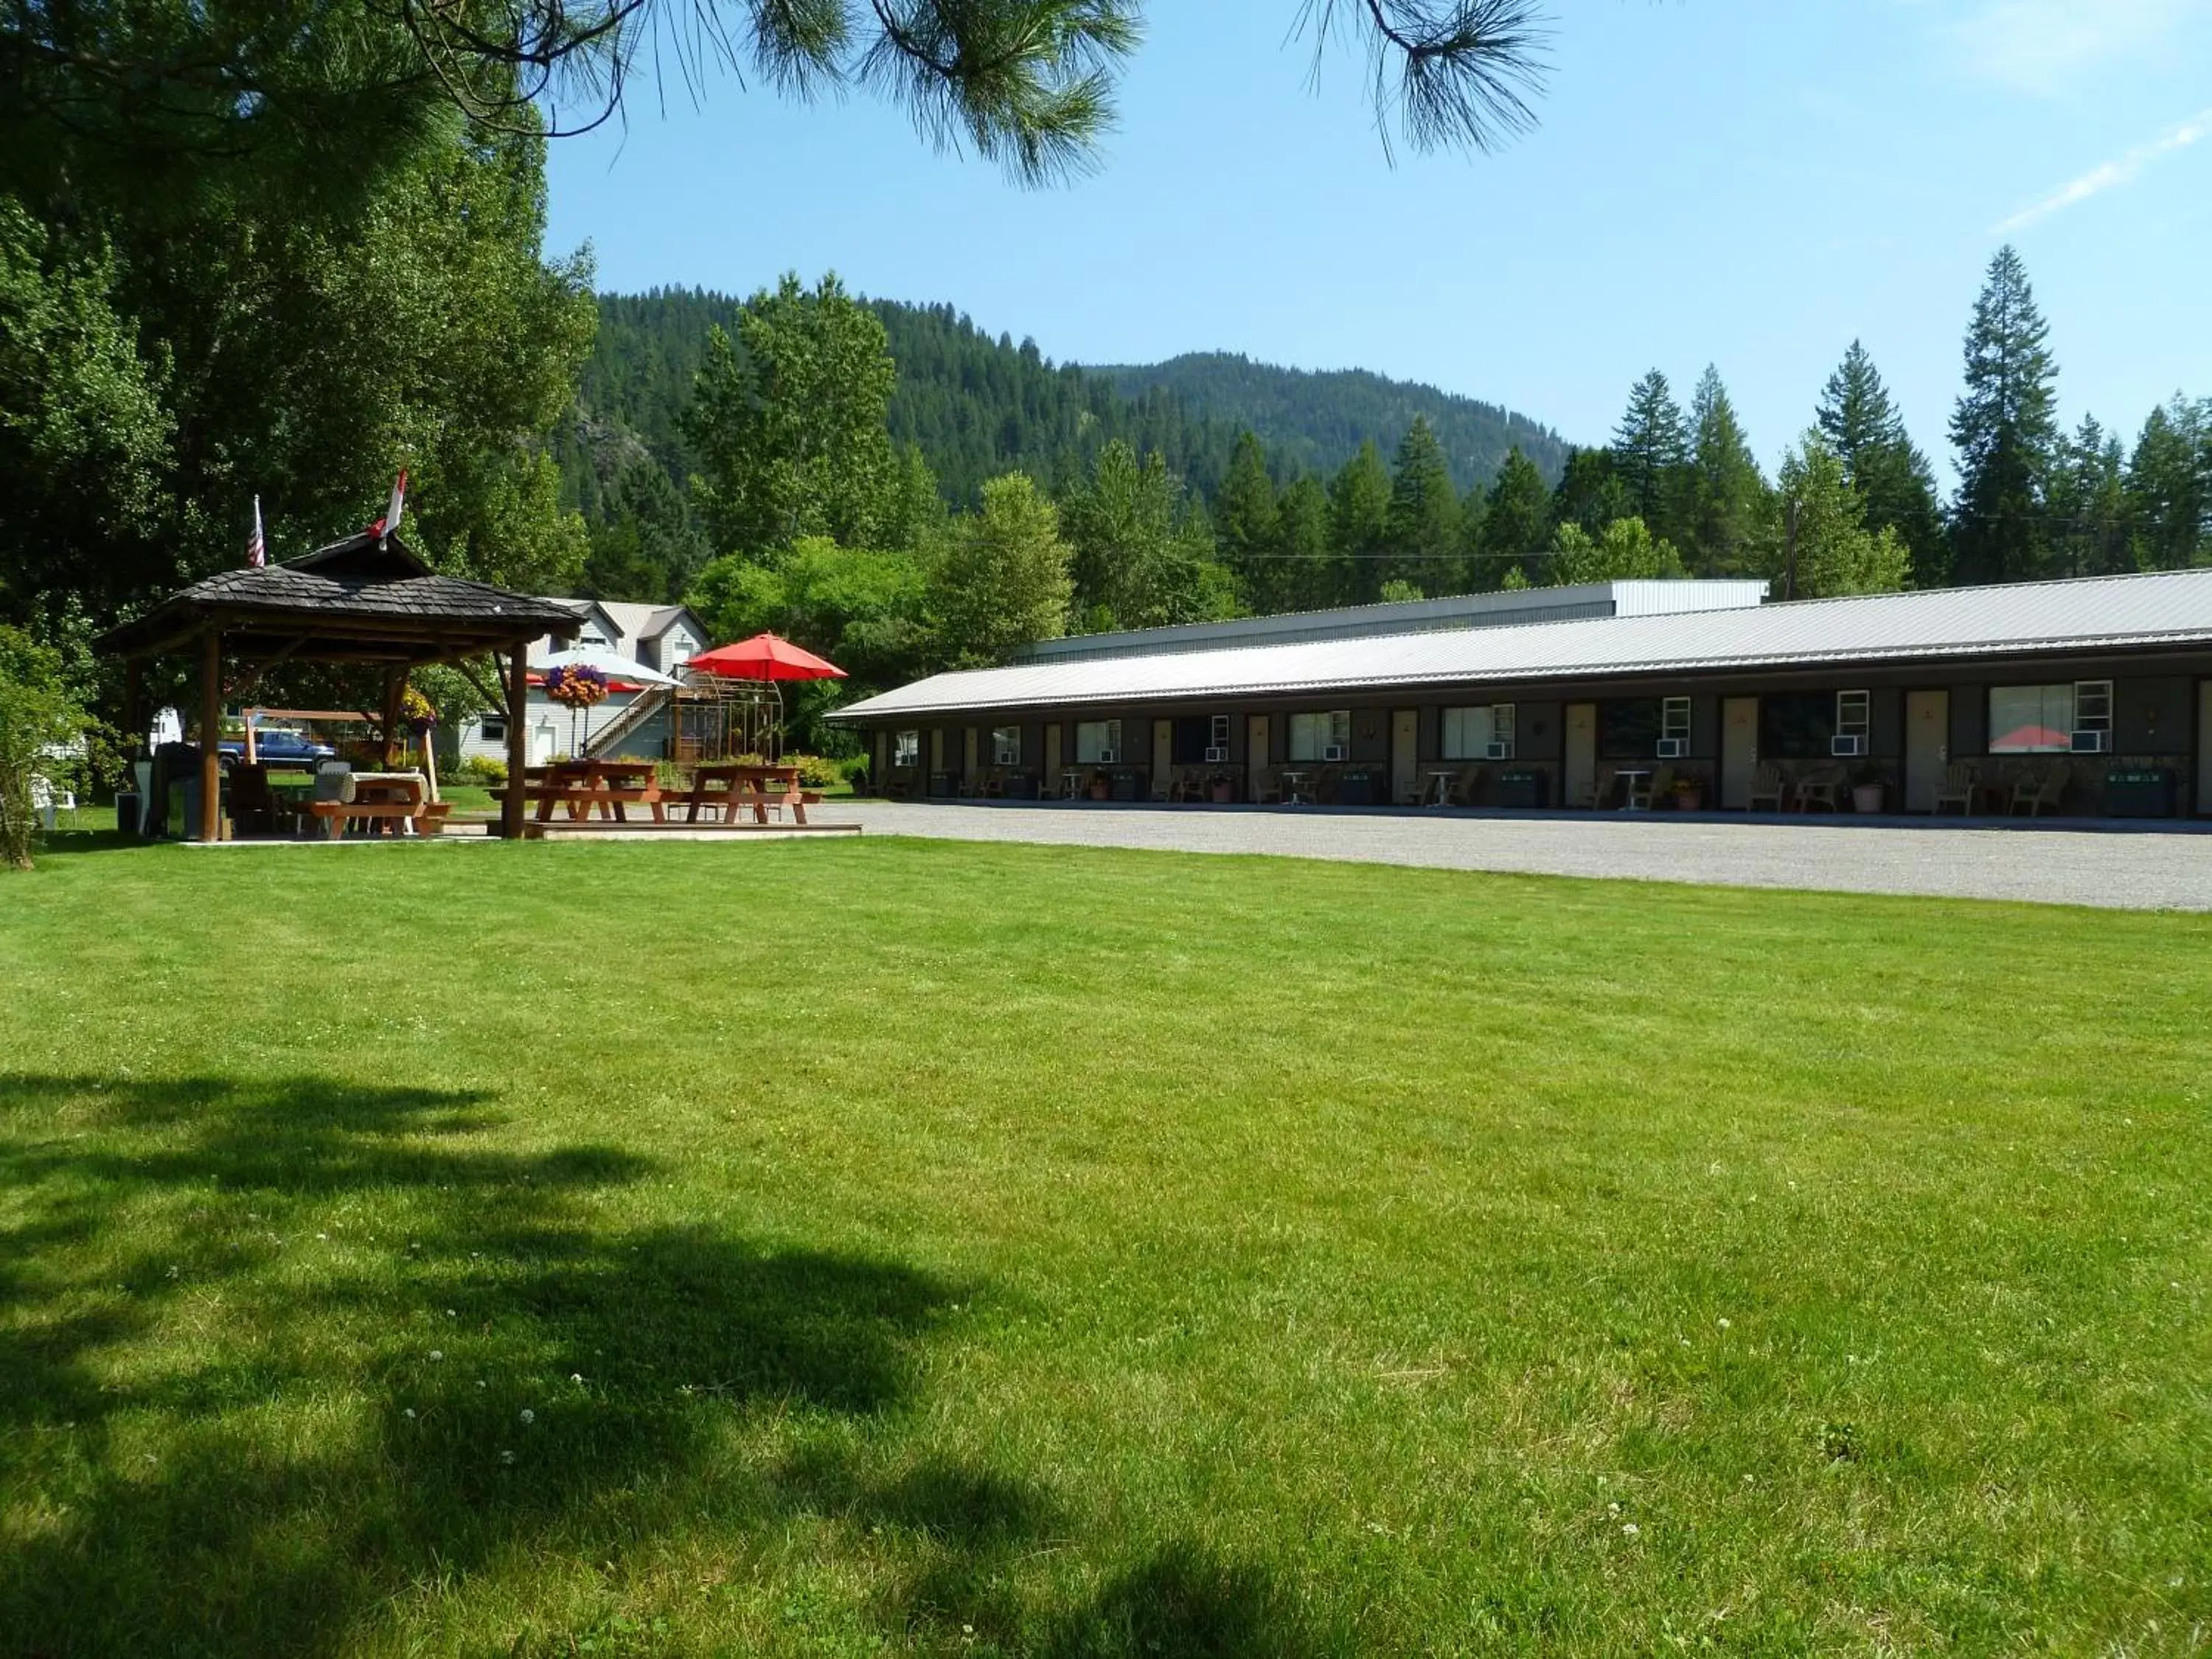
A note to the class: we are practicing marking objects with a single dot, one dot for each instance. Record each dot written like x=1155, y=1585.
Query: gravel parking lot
x=2165, y=868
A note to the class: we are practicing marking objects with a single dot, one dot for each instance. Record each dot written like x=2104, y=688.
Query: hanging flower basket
x=417, y=713
x=575, y=686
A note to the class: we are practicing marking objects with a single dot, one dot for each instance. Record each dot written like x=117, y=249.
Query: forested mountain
x=1314, y=422
x=977, y=405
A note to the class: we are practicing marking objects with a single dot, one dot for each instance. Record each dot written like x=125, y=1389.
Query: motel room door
x=1739, y=751
x=1406, y=756
x=1578, y=782
x=1052, y=757
x=2204, y=746
x=1927, y=747
x=1255, y=755
x=1163, y=757
x=968, y=774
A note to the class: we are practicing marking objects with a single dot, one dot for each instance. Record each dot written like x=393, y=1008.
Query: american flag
x=257, y=549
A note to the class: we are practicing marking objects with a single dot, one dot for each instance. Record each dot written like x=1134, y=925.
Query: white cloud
x=2043, y=46
x=2110, y=174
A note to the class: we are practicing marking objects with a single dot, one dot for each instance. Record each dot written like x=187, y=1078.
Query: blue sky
x=1750, y=183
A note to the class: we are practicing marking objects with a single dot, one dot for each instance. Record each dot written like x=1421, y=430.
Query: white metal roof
x=1507, y=607
x=2091, y=613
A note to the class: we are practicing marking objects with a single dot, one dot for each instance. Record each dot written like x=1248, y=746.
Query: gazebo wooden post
x=211, y=733
x=395, y=686
x=513, y=811
x=134, y=701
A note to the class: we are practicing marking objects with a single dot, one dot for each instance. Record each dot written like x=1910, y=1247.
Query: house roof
x=2164, y=608
x=363, y=598
x=645, y=622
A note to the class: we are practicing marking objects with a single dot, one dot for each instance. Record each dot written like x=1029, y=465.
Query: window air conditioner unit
x=2092, y=743
x=1215, y=755
x=1672, y=748
x=1847, y=744
x=1497, y=751
x=1333, y=751
x=1108, y=756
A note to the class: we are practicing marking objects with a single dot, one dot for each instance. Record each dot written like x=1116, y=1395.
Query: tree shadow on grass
x=272, y=1353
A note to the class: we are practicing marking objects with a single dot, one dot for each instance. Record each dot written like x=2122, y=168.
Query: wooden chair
x=1767, y=784
x=2036, y=793
x=1818, y=788
x=1958, y=787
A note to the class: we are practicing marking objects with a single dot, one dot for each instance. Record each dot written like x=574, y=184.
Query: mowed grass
x=900, y=1247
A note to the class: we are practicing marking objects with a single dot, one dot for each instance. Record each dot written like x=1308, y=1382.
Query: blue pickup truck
x=277, y=746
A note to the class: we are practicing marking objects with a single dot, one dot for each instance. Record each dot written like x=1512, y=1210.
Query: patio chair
x=1767, y=784
x=1818, y=788
x=2036, y=793
x=1958, y=788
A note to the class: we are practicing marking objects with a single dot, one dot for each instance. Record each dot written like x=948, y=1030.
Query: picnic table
x=587, y=786
x=730, y=786
x=382, y=803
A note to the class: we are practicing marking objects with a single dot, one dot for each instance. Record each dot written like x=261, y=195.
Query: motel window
x=2042, y=719
x=1628, y=728
x=1674, y=720
x=1797, y=725
x=1313, y=737
x=493, y=729
x=906, y=748
x=1217, y=736
x=1853, y=716
x=1097, y=741
x=1005, y=745
x=1467, y=734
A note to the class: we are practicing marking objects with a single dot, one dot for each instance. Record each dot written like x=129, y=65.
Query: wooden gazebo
x=366, y=599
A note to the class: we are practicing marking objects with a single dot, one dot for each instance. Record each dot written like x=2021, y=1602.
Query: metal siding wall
x=2153, y=716
x=1705, y=728
x=1969, y=721
x=1536, y=730
x=1886, y=737
x=1431, y=742
x=1370, y=735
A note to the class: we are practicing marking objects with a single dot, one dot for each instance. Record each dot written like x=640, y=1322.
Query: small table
x=1625, y=776
x=1292, y=782
x=1071, y=783
x=1439, y=789
x=733, y=785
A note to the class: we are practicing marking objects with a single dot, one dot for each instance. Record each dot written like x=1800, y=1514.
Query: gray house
x=632, y=722
x=2094, y=695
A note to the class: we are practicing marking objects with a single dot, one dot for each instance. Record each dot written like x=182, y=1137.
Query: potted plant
x=1101, y=787
x=1867, y=790
x=1222, y=788
x=1689, y=792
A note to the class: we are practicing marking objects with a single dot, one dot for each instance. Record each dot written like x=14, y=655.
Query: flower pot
x=1100, y=788
x=1866, y=797
x=1224, y=792
x=1689, y=800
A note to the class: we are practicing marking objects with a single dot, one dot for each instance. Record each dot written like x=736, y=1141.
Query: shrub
x=485, y=769
x=815, y=771
x=43, y=739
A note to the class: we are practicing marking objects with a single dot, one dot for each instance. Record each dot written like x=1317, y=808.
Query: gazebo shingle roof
x=365, y=598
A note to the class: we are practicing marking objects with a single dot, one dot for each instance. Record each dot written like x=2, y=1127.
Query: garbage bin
x=1524, y=788
x=2140, y=792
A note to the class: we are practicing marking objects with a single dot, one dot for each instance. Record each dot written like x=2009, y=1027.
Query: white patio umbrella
x=615, y=667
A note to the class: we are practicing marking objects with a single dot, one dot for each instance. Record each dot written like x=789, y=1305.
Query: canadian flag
x=389, y=522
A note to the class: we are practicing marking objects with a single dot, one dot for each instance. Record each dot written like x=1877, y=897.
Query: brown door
x=2204, y=746
x=1927, y=747
x=1739, y=751
x=1406, y=756
x=1163, y=757
x=1256, y=755
x=968, y=768
x=1052, y=757
x=1578, y=777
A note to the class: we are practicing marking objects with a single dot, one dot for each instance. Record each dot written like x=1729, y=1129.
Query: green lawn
x=826, y=1249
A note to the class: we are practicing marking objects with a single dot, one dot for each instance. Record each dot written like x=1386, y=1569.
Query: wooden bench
x=428, y=817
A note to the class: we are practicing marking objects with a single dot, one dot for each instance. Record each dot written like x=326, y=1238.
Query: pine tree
x=1733, y=510
x=1246, y=520
x=2169, y=487
x=1517, y=523
x=1892, y=477
x=1651, y=454
x=1308, y=576
x=1422, y=527
x=2088, y=503
x=1359, y=521
x=2004, y=428
x=1835, y=551
x=1590, y=493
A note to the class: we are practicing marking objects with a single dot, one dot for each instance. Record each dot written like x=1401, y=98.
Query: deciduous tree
x=1003, y=578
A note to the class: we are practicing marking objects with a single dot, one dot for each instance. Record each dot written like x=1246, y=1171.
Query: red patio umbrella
x=764, y=657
